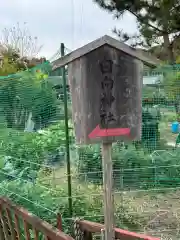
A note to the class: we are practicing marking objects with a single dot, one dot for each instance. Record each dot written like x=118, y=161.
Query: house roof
x=105, y=40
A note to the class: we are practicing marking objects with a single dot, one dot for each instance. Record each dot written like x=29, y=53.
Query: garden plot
x=159, y=211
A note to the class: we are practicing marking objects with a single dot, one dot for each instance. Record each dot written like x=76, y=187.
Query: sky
x=73, y=22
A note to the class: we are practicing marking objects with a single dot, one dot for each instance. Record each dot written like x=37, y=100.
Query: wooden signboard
x=105, y=80
x=106, y=96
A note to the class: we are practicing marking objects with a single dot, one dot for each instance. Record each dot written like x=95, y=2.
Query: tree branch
x=150, y=25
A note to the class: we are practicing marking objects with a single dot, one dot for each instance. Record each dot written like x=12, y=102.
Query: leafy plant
x=150, y=128
x=28, y=151
x=132, y=168
x=172, y=89
x=46, y=202
x=26, y=93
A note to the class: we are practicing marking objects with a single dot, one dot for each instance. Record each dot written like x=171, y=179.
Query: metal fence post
x=67, y=134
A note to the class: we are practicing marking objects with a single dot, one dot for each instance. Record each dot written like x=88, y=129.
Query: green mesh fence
x=33, y=141
x=33, y=154
x=146, y=173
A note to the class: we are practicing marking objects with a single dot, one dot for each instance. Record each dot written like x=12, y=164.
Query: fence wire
x=33, y=169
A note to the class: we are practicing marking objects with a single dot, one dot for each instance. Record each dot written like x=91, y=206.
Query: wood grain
x=85, y=79
x=121, y=234
x=78, y=53
x=108, y=191
x=29, y=220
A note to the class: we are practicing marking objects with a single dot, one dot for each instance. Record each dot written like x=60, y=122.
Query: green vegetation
x=29, y=182
x=140, y=170
x=156, y=20
x=33, y=166
x=24, y=178
x=27, y=94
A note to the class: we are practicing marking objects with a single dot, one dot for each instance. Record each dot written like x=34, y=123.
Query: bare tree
x=20, y=40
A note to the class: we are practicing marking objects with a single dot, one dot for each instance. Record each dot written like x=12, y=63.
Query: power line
x=73, y=21
x=81, y=16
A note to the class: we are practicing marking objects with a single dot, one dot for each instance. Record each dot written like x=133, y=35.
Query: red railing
x=88, y=228
x=16, y=221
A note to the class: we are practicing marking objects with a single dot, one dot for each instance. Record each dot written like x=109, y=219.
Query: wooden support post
x=108, y=191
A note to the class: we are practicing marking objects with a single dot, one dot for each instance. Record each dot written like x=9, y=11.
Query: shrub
x=27, y=151
x=127, y=162
x=150, y=128
x=47, y=202
x=132, y=168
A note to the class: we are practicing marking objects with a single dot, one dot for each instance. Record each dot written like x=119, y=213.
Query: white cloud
x=74, y=22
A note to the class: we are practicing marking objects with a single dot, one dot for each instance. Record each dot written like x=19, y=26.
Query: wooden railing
x=89, y=228
x=16, y=222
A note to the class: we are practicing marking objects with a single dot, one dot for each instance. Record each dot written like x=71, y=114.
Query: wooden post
x=108, y=191
x=105, y=80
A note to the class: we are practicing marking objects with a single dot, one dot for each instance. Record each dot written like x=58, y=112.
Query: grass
x=160, y=212
x=156, y=212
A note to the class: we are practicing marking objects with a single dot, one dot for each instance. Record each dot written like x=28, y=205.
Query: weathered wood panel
x=106, y=94
x=72, y=56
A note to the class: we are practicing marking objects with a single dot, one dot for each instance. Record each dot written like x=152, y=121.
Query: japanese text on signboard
x=106, y=112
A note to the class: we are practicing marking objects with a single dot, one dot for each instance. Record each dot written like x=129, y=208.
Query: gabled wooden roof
x=105, y=40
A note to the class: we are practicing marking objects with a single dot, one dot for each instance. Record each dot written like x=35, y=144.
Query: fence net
x=33, y=155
